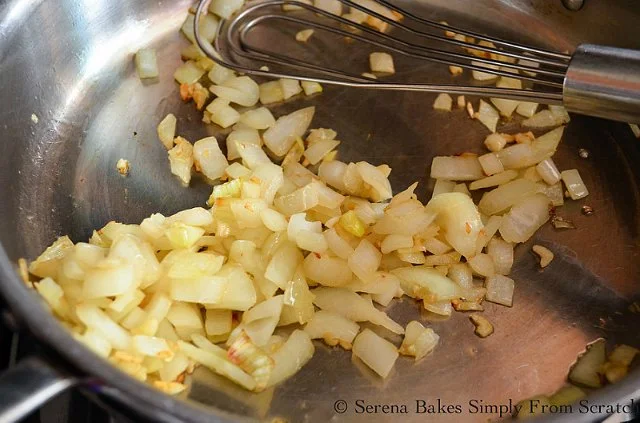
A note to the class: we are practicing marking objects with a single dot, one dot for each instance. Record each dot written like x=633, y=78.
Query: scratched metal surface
x=58, y=176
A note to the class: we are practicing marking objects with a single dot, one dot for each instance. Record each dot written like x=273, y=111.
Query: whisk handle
x=604, y=82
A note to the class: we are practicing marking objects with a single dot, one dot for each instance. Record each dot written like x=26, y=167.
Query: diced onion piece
x=443, y=102
x=373, y=176
x=225, y=8
x=326, y=270
x=271, y=92
x=152, y=347
x=188, y=73
x=545, y=254
x=499, y=290
x=488, y=116
x=332, y=328
x=304, y=35
x=426, y=283
x=542, y=119
x=576, y=187
x=393, y=242
x=562, y=117
x=502, y=254
x=381, y=62
x=205, y=290
x=567, y=395
x=260, y=321
x=459, y=219
x=462, y=188
x=490, y=163
x=351, y=223
x=352, y=306
x=98, y=320
x=503, y=197
x=525, y=218
x=337, y=244
x=418, y=341
x=318, y=150
x=456, y=168
x=218, y=322
x=167, y=130
x=241, y=90
x=245, y=136
x=586, y=370
x=146, y=63
x=461, y=274
x=291, y=356
x=260, y=118
x=208, y=158
x=311, y=87
x=635, y=129
x=218, y=364
x=290, y=87
x=281, y=136
x=497, y=179
x=273, y=220
x=527, y=108
x=109, y=278
x=482, y=264
x=219, y=74
x=441, y=186
x=365, y=260
x=332, y=6
x=298, y=201
x=222, y=113
x=495, y=142
x=181, y=159
x=507, y=107
x=548, y=171
x=376, y=352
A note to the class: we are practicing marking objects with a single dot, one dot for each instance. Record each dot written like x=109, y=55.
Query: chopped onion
x=586, y=370
x=524, y=218
x=281, y=136
x=167, y=130
x=560, y=113
x=245, y=136
x=290, y=87
x=542, y=119
x=527, y=108
x=487, y=115
x=188, y=73
x=426, y=283
x=461, y=274
x=326, y=270
x=291, y=356
x=495, y=142
x=332, y=6
x=503, y=197
x=352, y=306
x=271, y=92
x=548, y=171
x=225, y=8
x=459, y=219
x=382, y=63
x=222, y=113
x=332, y=328
x=491, y=181
x=260, y=118
x=576, y=187
x=333, y=173
x=241, y=90
x=376, y=352
x=373, y=176
x=482, y=264
x=490, y=163
x=441, y=186
x=502, y=254
x=146, y=63
x=311, y=87
x=443, y=102
x=365, y=260
x=208, y=158
x=304, y=35
x=456, y=168
x=219, y=74
x=318, y=150
x=418, y=340
x=635, y=129
x=181, y=159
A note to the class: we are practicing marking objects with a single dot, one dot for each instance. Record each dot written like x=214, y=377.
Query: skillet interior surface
x=69, y=63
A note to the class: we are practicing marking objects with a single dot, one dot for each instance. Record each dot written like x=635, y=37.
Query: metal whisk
x=595, y=80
